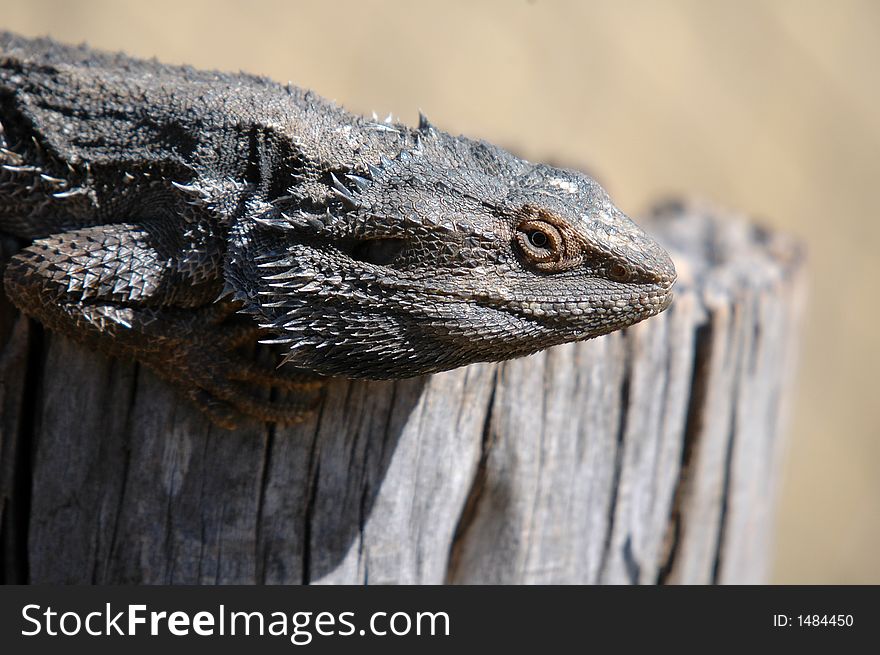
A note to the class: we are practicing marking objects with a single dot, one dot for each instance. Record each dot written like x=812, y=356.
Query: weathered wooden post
x=645, y=456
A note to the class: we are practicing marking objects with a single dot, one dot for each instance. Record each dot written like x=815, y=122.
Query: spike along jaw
x=421, y=265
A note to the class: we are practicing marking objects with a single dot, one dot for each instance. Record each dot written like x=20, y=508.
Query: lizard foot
x=228, y=385
x=226, y=408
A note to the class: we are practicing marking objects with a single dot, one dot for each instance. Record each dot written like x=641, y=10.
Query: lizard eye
x=619, y=272
x=539, y=241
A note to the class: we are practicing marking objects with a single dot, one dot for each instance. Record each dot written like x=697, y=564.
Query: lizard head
x=456, y=251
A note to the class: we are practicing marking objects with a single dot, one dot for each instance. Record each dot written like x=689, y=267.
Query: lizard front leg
x=116, y=288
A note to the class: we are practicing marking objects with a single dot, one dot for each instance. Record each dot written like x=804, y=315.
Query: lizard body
x=175, y=215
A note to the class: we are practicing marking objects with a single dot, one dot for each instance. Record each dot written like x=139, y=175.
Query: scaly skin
x=176, y=215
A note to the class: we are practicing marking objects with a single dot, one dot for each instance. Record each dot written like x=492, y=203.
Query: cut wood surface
x=649, y=455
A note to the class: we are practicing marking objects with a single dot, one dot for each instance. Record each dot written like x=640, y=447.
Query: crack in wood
x=693, y=429
x=478, y=485
x=619, y=447
x=263, y=482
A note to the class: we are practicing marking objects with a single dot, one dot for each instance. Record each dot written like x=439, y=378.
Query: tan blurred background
x=771, y=107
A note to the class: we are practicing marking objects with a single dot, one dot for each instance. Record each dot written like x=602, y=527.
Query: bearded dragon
x=174, y=215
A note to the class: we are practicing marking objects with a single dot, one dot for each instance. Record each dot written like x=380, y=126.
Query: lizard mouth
x=587, y=319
